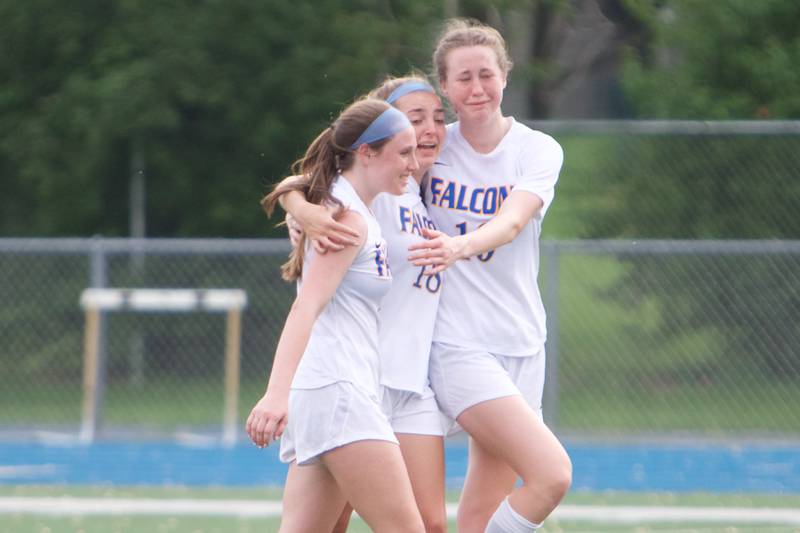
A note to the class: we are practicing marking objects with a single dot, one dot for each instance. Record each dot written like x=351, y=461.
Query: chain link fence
x=681, y=338
x=648, y=336
x=160, y=371
x=696, y=336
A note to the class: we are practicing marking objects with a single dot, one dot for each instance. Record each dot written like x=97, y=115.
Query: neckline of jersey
x=462, y=139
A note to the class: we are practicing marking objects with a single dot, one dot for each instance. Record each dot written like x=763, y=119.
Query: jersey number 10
x=462, y=229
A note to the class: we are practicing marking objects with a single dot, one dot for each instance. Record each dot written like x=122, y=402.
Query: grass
x=715, y=409
x=618, y=373
x=19, y=523
x=161, y=401
x=604, y=402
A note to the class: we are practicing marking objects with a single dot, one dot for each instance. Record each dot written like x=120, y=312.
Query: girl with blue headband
x=408, y=311
x=323, y=396
x=488, y=194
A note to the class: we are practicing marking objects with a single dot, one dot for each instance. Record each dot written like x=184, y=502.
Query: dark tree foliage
x=217, y=98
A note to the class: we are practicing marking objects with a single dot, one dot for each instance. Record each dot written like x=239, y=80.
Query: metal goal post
x=94, y=301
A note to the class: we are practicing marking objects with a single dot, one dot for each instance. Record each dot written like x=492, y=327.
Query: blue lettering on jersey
x=478, y=200
x=432, y=283
x=448, y=196
x=474, y=203
x=380, y=259
x=413, y=222
x=490, y=202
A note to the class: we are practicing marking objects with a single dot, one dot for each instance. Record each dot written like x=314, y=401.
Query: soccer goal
x=96, y=301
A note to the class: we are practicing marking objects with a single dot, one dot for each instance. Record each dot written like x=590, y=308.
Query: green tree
x=731, y=59
x=217, y=98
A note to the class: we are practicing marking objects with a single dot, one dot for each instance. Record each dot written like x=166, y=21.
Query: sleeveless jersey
x=492, y=301
x=408, y=311
x=344, y=340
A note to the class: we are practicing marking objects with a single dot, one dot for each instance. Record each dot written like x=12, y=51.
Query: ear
x=364, y=153
x=443, y=87
x=505, y=80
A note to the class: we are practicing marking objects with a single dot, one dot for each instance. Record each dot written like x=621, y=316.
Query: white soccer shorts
x=329, y=417
x=463, y=377
x=412, y=413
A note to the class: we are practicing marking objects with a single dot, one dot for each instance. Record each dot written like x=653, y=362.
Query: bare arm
x=441, y=250
x=268, y=418
x=317, y=221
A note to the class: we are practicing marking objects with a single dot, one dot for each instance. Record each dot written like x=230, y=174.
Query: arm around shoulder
x=318, y=222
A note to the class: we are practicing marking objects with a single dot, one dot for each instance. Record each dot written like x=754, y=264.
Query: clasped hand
x=438, y=251
x=322, y=228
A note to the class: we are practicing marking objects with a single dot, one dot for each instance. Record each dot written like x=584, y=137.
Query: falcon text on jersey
x=478, y=200
x=413, y=222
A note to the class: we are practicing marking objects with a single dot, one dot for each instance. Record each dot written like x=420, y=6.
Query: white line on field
x=267, y=508
x=138, y=506
x=27, y=471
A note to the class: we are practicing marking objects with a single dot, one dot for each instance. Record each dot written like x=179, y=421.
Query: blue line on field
x=678, y=468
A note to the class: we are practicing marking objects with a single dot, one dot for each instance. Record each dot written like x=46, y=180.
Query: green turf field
x=18, y=523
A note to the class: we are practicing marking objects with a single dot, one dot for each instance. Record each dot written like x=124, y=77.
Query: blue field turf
x=672, y=467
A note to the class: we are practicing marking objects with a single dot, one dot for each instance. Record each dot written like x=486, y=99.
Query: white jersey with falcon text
x=344, y=340
x=408, y=311
x=492, y=301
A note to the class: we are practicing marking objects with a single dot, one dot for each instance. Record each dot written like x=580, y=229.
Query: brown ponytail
x=327, y=155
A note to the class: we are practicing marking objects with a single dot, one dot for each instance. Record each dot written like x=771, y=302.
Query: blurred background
x=136, y=139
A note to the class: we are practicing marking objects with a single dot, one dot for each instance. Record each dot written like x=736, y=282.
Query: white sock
x=507, y=520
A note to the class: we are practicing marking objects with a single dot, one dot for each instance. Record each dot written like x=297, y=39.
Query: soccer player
x=408, y=310
x=487, y=361
x=323, y=395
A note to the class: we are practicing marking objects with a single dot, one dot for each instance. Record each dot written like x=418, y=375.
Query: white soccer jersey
x=344, y=340
x=492, y=301
x=408, y=310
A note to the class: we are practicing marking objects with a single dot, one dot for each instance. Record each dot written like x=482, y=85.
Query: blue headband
x=409, y=87
x=387, y=124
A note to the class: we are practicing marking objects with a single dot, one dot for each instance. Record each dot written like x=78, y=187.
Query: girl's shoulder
x=527, y=138
x=355, y=220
